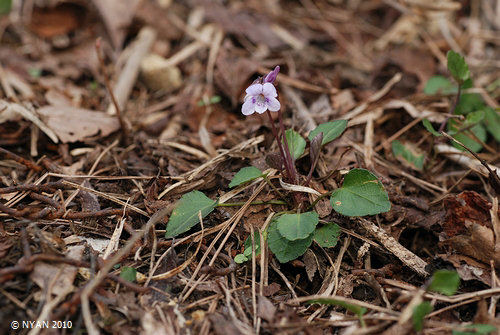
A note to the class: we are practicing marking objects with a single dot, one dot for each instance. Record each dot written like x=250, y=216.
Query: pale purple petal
x=248, y=107
x=273, y=104
x=269, y=90
x=254, y=89
x=260, y=107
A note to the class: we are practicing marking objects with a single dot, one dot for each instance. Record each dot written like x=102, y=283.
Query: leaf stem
x=292, y=172
x=318, y=199
x=235, y=204
x=275, y=189
x=452, y=109
x=280, y=146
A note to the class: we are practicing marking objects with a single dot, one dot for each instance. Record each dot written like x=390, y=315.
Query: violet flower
x=259, y=98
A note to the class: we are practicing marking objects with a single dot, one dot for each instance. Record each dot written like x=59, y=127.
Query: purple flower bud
x=271, y=76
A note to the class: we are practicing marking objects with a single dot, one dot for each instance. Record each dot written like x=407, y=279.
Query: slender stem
x=309, y=175
x=235, y=204
x=318, y=199
x=293, y=173
x=280, y=146
x=452, y=110
x=275, y=189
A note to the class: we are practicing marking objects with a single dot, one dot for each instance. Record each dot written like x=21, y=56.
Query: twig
x=29, y=164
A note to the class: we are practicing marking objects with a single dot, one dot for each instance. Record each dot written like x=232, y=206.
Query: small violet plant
x=290, y=232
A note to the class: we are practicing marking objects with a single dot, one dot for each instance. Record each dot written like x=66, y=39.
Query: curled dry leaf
x=468, y=228
x=75, y=124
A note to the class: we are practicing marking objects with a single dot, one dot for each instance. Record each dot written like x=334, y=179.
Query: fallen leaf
x=57, y=277
x=311, y=264
x=468, y=229
x=76, y=124
x=266, y=309
x=48, y=22
x=117, y=16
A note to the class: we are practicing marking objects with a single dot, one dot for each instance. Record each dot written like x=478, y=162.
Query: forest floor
x=111, y=111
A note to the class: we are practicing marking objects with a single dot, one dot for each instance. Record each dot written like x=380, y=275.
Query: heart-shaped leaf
x=328, y=235
x=297, y=226
x=361, y=194
x=185, y=215
x=441, y=85
x=283, y=249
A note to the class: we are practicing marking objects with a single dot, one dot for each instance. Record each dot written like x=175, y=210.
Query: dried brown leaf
x=76, y=124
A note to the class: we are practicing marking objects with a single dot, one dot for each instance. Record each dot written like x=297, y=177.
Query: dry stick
x=123, y=124
x=234, y=221
x=95, y=282
x=400, y=132
x=333, y=286
x=91, y=171
x=492, y=174
x=406, y=256
x=254, y=271
x=29, y=164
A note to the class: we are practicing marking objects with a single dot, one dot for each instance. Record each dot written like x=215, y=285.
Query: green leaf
x=244, y=175
x=5, y=6
x=296, y=143
x=297, y=226
x=445, y=282
x=283, y=249
x=213, y=100
x=185, y=215
x=476, y=329
x=128, y=273
x=248, y=245
x=361, y=194
x=399, y=150
x=328, y=235
x=359, y=311
x=474, y=117
x=457, y=67
x=240, y=258
x=466, y=137
x=492, y=122
x=330, y=130
x=428, y=125
x=439, y=85
x=469, y=102
x=419, y=313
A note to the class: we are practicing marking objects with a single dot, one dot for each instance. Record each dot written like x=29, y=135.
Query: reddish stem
x=280, y=146
x=292, y=172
